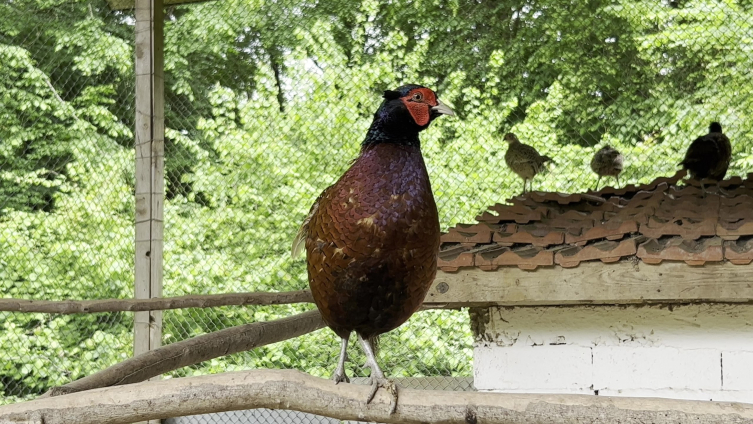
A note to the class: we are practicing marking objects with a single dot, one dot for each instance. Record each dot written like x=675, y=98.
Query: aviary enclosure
x=261, y=105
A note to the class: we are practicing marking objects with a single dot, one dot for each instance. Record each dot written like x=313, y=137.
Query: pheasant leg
x=339, y=376
x=721, y=191
x=377, y=376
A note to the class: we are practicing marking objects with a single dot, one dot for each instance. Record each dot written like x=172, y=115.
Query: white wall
x=684, y=352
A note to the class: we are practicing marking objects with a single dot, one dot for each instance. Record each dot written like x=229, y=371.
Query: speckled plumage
x=372, y=243
x=607, y=162
x=523, y=159
x=372, y=238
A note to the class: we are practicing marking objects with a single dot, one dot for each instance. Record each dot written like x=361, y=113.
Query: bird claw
x=386, y=384
x=339, y=375
x=340, y=378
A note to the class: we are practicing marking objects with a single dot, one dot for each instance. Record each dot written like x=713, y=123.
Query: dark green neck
x=386, y=129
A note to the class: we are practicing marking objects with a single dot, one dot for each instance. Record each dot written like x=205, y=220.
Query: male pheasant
x=372, y=237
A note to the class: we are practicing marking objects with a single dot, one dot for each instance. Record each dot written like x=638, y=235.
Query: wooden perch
x=162, y=303
x=155, y=304
x=302, y=392
x=195, y=350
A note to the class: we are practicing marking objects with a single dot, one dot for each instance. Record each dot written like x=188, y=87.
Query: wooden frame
x=129, y=4
x=150, y=186
x=150, y=171
x=593, y=283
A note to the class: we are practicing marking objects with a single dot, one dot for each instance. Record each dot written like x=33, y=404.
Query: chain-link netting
x=66, y=187
x=259, y=126
x=267, y=103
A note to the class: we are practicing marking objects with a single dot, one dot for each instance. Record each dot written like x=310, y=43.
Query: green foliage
x=66, y=178
x=266, y=103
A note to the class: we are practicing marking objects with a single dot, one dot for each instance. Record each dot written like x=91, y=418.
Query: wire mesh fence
x=266, y=104
x=66, y=188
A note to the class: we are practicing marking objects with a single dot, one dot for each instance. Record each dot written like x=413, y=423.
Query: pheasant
x=372, y=238
x=607, y=162
x=709, y=156
x=524, y=160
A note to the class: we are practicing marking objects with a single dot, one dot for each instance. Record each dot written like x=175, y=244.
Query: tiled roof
x=666, y=220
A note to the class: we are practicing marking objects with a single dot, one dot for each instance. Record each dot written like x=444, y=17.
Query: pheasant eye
x=418, y=97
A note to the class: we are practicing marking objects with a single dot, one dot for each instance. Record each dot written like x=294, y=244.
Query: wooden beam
x=154, y=304
x=129, y=4
x=225, y=342
x=593, y=283
x=288, y=389
x=194, y=350
x=150, y=170
x=590, y=283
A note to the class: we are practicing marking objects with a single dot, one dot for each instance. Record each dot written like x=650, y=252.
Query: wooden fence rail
x=154, y=304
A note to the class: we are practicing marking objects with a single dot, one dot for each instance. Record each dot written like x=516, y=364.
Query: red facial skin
x=419, y=103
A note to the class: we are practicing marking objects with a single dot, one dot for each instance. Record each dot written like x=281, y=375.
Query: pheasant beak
x=443, y=109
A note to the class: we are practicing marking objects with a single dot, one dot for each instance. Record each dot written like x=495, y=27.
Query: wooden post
x=150, y=186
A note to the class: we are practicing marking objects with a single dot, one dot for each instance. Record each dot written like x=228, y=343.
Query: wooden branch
x=301, y=392
x=133, y=305
x=275, y=61
x=57, y=96
x=192, y=351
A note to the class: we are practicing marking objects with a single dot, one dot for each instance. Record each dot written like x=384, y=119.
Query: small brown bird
x=607, y=162
x=524, y=160
x=709, y=156
x=372, y=238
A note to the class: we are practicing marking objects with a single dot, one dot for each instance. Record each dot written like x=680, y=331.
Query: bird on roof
x=607, y=162
x=372, y=238
x=524, y=160
x=709, y=156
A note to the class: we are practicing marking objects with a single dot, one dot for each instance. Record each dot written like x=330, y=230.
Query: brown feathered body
x=372, y=238
x=607, y=162
x=372, y=242
x=709, y=156
x=523, y=159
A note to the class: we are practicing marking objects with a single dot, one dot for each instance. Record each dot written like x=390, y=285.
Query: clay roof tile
x=652, y=222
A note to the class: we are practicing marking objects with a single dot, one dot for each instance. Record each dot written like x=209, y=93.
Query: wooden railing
x=121, y=394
